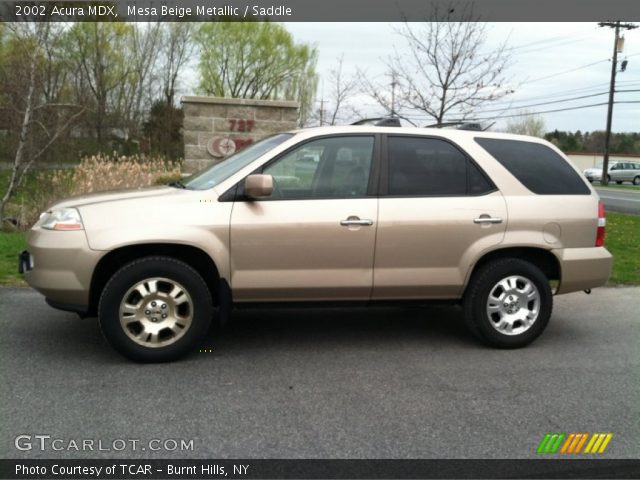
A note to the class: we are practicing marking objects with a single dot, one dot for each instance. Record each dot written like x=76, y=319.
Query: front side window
x=432, y=167
x=219, y=172
x=332, y=167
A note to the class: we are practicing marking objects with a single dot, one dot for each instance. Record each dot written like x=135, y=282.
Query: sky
x=575, y=57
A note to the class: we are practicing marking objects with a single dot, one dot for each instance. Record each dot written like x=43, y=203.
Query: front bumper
x=59, y=265
x=583, y=268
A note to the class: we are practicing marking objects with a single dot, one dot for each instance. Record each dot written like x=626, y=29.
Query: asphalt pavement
x=326, y=383
x=619, y=200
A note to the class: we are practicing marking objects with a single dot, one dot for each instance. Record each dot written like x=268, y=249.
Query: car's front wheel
x=508, y=303
x=155, y=309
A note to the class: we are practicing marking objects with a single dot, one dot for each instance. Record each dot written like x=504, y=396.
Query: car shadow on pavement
x=366, y=326
x=431, y=327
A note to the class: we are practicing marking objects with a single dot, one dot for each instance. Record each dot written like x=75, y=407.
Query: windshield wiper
x=177, y=184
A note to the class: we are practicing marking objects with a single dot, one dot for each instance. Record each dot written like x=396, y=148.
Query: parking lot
x=359, y=383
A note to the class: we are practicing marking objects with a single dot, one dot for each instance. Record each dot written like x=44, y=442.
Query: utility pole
x=612, y=88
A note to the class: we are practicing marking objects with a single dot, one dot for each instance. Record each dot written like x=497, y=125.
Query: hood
x=114, y=196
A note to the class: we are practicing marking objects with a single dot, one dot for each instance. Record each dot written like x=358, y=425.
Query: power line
x=565, y=72
x=527, y=114
x=564, y=100
x=555, y=45
x=545, y=103
x=581, y=67
x=546, y=40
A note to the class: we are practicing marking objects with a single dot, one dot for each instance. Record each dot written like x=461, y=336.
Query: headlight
x=62, y=219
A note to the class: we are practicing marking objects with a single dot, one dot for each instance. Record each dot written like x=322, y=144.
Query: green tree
x=255, y=60
x=163, y=129
x=527, y=124
x=33, y=110
x=100, y=52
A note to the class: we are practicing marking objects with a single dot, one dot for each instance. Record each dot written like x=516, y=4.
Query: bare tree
x=448, y=68
x=176, y=50
x=342, y=88
x=384, y=92
x=137, y=92
x=40, y=117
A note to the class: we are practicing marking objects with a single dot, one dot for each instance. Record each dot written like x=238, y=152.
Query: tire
x=178, y=313
x=636, y=180
x=486, y=281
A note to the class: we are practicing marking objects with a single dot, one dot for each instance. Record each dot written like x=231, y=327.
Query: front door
x=314, y=238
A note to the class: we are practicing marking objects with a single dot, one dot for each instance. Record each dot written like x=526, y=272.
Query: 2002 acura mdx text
x=356, y=213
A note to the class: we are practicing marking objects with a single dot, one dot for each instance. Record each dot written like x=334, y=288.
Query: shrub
x=96, y=173
x=99, y=173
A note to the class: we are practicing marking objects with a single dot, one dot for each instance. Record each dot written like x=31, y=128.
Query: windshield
x=219, y=172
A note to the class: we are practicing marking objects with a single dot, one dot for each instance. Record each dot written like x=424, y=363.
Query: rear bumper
x=59, y=265
x=583, y=268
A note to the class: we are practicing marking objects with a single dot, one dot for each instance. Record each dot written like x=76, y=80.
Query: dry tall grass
x=93, y=174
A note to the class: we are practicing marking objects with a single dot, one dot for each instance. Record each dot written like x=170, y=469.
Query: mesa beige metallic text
x=358, y=214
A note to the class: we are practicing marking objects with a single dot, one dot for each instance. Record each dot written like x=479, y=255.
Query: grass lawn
x=615, y=186
x=623, y=241
x=11, y=244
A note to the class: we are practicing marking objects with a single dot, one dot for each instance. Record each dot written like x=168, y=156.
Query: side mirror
x=258, y=186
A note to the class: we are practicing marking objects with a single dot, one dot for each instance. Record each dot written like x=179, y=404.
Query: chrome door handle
x=356, y=221
x=487, y=219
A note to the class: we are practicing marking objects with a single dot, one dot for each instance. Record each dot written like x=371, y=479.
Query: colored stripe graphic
x=576, y=444
x=573, y=443
x=550, y=443
x=598, y=443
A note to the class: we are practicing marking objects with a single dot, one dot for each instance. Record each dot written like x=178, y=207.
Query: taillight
x=602, y=223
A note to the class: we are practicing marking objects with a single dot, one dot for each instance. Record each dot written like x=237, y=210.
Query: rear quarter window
x=536, y=166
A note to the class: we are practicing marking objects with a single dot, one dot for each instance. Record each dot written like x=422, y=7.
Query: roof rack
x=460, y=126
x=379, y=122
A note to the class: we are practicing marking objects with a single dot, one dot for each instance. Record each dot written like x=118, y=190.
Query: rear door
x=437, y=209
x=313, y=239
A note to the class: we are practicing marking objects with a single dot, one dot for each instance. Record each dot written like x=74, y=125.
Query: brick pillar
x=215, y=127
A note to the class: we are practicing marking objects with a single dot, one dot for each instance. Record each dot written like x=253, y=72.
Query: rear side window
x=536, y=166
x=432, y=167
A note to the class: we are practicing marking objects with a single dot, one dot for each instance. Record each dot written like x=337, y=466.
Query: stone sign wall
x=215, y=128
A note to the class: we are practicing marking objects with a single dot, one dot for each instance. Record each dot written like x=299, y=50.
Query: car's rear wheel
x=508, y=303
x=155, y=309
x=636, y=180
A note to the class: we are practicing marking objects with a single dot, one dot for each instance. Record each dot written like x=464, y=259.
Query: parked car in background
x=594, y=174
x=498, y=223
x=625, y=172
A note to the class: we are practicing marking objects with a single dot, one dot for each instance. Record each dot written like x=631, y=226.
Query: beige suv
x=338, y=214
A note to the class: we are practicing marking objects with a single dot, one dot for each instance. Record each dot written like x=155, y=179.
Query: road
x=328, y=383
x=619, y=200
